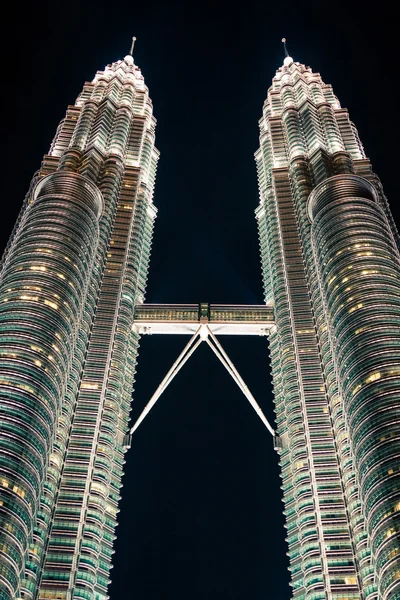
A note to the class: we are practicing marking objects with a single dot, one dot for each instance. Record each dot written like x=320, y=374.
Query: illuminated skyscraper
x=72, y=287
x=331, y=271
x=74, y=268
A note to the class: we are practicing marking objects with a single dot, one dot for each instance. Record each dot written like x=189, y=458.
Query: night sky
x=201, y=509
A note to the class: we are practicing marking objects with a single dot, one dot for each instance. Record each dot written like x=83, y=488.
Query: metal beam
x=186, y=353
x=230, y=367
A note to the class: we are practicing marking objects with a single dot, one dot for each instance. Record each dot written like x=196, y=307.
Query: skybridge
x=221, y=319
x=203, y=322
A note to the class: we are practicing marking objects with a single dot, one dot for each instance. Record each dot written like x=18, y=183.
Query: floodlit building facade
x=331, y=271
x=72, y=285
x=74, y=268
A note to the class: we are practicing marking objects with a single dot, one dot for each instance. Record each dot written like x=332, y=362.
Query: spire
x=129, y=58
x=288, y=59
x=132, y=46
x=285, y=47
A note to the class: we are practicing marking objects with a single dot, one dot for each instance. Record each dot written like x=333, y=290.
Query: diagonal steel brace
x=203, y=333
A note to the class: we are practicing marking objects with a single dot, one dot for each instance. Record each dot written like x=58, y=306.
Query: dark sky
x=201, y=510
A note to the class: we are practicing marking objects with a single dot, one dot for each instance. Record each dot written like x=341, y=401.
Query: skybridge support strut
x=204, y=333
x=230, y=367
x=186, y=353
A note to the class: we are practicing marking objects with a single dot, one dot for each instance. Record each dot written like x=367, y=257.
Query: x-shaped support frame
x=203, y=334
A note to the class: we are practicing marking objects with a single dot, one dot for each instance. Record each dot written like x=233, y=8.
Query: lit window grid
x=99, y=141
x=359, y=274
x=299, y=135
x=137, y=218
x=42, y=292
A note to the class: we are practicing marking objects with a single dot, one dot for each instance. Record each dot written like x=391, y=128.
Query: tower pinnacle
x=132, y=46
x=129, y=58
x=285, y=47
x=288, y=59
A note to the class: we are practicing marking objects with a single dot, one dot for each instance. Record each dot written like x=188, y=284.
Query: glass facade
x=331, y=270
x=74, y=268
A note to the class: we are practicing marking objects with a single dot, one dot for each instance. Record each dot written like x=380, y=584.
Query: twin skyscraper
x=74, y=273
